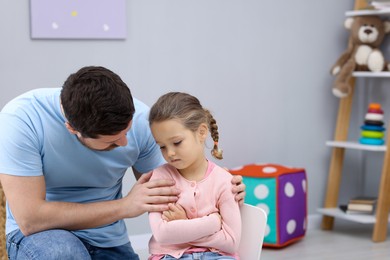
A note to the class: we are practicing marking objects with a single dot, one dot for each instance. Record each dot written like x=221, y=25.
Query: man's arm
x=238, y=189
x=26, y=198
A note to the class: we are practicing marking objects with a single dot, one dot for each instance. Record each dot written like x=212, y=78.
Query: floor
x=346, y=241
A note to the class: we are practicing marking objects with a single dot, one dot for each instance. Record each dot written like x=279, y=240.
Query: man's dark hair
x=96, y=102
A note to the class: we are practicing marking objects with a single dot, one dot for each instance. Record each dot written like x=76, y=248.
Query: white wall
x=262, y=67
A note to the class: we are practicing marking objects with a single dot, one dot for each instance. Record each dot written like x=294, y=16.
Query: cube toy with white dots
x=281, y=192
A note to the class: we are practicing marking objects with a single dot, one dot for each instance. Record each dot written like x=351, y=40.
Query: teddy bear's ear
x=348, y=23
x=386, y=25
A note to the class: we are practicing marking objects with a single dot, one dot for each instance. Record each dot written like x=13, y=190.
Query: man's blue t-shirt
x=34, y=141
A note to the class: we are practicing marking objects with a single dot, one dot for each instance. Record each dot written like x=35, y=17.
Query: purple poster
x=78, y=19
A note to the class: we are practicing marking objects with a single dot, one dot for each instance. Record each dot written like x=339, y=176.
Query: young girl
x=205, y=222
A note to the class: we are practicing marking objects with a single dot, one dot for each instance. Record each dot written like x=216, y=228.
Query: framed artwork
x=78, y=19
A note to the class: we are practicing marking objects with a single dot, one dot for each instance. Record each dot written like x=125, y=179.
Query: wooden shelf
x=369, y=74
x=359, y=218
x=356, y=145
x=384, y=12
x=340, y=143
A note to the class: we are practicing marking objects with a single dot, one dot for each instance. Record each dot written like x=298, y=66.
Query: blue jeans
x=200, y=256
x=61, y=244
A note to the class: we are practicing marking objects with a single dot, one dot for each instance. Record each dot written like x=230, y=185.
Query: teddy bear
x=363, y=53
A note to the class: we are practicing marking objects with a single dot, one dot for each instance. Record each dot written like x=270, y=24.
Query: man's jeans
x=61, y=244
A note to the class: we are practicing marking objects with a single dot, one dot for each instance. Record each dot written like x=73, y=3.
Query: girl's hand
x=175, y=212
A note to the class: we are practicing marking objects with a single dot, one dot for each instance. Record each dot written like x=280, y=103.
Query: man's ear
x=71, y=129
x=203, y=130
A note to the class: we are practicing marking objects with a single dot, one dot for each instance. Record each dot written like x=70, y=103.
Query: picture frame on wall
x=81, y=19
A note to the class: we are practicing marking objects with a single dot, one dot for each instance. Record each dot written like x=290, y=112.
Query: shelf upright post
x=336, y=165
x=341, y=134
x=383, y=203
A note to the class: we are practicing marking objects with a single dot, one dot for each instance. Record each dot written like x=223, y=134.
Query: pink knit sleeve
x=182, y=231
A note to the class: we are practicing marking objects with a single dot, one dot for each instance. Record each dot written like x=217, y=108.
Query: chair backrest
x=254, y=222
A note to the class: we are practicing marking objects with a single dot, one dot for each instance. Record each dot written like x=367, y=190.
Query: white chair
x=254, y=222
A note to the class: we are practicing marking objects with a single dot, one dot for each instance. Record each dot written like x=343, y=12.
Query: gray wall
x=262, y=67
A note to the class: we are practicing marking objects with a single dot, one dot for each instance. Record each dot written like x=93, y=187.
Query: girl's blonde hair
x=187, y=109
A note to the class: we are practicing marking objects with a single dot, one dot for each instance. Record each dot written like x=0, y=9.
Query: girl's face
x=181, y=147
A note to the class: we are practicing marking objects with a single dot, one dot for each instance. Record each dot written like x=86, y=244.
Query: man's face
x=105, y=142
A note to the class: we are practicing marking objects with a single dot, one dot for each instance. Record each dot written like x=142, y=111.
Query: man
x=63, y=155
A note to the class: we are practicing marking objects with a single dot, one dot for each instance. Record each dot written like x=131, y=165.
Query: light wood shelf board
x=359, y=218
x=356, y=145
x=384, y=12
x=370, y=74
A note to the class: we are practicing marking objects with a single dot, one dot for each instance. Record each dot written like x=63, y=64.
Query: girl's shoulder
x=163, y=171
x=221, y=173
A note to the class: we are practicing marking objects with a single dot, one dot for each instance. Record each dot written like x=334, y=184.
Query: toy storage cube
x=281, y=192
